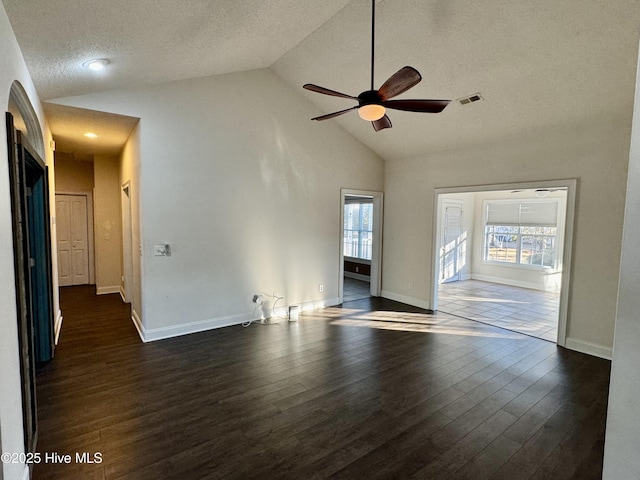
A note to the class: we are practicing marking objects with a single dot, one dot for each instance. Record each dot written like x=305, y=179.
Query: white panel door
x=73, y=244
x=63, y=234
x=451, y=254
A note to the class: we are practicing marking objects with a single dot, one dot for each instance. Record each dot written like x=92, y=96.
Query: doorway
x=360, y=244
x=507, y=262
x=29, y=184
x=127, y=244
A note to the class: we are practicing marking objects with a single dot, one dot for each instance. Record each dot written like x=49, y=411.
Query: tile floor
x=355, y=289
x=522, y=310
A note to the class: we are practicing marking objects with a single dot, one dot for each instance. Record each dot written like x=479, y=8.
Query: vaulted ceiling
x=536, y=64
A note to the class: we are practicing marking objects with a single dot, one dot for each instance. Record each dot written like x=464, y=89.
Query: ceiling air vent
x=470, y=99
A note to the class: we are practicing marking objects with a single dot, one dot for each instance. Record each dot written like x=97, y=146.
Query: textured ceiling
x=537, y=64
x=152, y=41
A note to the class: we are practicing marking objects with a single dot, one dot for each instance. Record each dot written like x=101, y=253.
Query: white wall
x=12, y=67
x=595, y=152
x=107, y=225
x=245, y=188
x=622, y=443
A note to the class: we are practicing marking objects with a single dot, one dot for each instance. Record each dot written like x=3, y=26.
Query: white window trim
x=525, y=266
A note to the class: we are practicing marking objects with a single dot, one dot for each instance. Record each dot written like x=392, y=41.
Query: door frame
x=90, y=231
x=375, y=285
x=126, y=292
x=33, y=269
x=567, y=247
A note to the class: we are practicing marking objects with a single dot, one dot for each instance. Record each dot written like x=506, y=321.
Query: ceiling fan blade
x=382, y=123
x=399, y=82
x=423, y=106
x=326, y=91
x=334, y=114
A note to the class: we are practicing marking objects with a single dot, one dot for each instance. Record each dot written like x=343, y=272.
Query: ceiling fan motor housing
x=369, y=97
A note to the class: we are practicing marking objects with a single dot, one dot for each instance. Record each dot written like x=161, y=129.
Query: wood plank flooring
x=371, y=389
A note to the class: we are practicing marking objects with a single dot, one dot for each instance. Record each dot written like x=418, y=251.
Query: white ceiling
x=70, y=124
x=537, y=64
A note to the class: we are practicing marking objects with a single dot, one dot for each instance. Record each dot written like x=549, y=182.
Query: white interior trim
x=58, y=326
x=108, y=290
x=375, y=279
x=513, y=282
x=589, y=348
x=570, y=185
x=357, y=276
x=127, y=242
x=137, y=323
x=416, y=302
x=154, y=334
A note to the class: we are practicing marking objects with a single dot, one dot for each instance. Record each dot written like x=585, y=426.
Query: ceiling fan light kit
x=371, y=112
x=373, y=104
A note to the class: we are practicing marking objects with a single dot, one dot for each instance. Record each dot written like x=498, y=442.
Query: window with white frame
x=358, y=227
x=521, y=232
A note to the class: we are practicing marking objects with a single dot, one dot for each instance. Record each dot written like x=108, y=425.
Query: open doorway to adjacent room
x=360, y=244
x=502, y=255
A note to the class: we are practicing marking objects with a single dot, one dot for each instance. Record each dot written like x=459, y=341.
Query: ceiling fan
x=372, y=104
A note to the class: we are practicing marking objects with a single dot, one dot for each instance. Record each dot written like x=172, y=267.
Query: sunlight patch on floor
x=422, y=323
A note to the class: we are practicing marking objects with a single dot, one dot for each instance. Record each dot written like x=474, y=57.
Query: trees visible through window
x=523, y=233
x=358, y=230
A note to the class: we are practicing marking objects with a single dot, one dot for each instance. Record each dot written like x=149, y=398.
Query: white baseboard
x=589, y=348
x=322, y=303
x=107, y=290
x=416, y=302
x=357, y=276
x=466, y=276
x=513, y=283
x=57, y=326
x=153, y=334
x=137, y=323
x=121, y=291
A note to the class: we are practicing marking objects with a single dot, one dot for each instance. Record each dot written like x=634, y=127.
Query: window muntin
x=521, y=232
x=521, y=245
x=358, y=230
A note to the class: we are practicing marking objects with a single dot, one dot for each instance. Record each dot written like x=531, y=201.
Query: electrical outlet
x=321, y=287
x=163, y=250
x=410, y=285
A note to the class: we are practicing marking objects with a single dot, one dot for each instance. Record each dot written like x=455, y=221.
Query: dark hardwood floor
x=372, y=389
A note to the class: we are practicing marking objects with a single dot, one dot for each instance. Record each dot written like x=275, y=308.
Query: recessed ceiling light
x=96, y=64
x=90, y=135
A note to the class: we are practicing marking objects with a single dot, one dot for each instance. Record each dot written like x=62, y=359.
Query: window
x=358, y=228
x=521, y=233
